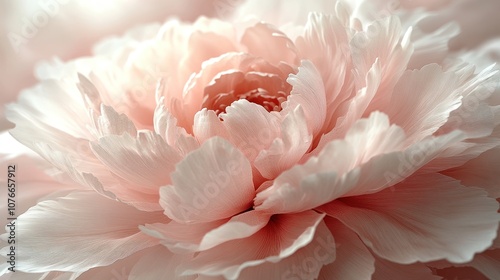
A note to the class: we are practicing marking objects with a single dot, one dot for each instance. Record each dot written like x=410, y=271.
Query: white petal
x=211, y=183
x=424, y=218
x=78, y=232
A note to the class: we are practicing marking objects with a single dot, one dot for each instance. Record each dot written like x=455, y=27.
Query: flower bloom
x=342, y=148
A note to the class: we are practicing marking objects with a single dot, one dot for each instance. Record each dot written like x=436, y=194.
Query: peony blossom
x=338, y=143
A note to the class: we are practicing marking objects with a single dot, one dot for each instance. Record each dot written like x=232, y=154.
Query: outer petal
x=334, y=171
x=211, y=183
x=354, y=261
x=29, y=172
x=190, y=238
x=388, y=270
x=287, y=238
x=146, y=161
x=480, y=172
x=99, y=230
x=424, y=218
x=158, y=263
x=423, y=100
x=142, y=165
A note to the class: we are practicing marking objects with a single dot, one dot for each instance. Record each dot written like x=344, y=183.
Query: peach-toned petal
x=325, y=39
x=480, y=172
x=207, y=125
x=266, y=41
x=381, y=41
x=184, y=238
x=287, y=150
x=334, y=172
x=158, y=263
x=211, y=183
x=423, y=99
x=424, y=218
x=111, y=233
x=150, y=159
x=353, y=261
x=165, y=124
x=388, y=270
x=288, y=238
x=309, y=92
x=250, y=127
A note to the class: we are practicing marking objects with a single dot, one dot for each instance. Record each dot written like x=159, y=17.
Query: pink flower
x=343, y=145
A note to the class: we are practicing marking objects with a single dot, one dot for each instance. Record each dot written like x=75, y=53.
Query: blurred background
x=36, y=30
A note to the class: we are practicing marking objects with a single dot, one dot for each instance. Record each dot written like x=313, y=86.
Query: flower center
x=265, y=89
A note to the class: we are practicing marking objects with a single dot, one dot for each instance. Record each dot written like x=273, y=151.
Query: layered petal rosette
x=337, y=146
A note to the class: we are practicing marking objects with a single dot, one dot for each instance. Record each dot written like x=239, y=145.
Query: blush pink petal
x=149, y=164
x=165, y=124
x=101, y=230
x=158, y=263
x=266, y=41
x=480, y=172
x=209, y=184
x=353, y=259
x=424, y=218
x=324, y=178
x=325, y=39
x=286, y=238
x=250, y=127
x=309, y=92
x=207, y=125
x=184, y=238
x=381, y=41
x=423, y=99
x=33, y=171
x=388, y=270
x=286, y=150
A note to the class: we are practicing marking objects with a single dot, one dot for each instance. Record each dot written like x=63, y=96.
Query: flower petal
x=388, y=270
x=250, y=126
x=354, y=261
x=423, y=100
x=100, y=231
x=308, y=91
x=287, y=241
x=184, y=238
x=266, y=41
x=480, y=172
x=424, y=218
x=334, y=171
x=158, y=263
x=209, y=184
x=287, y=150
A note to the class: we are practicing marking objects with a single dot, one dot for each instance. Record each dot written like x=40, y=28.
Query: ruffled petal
x=209, y=184
x=100, y=231
x=424, y=218
x=286, y=150
x=182, y=238
x=250, y=127
x=354, y=261
x=388, y=270
x=266, y=41
x=285, y=246
x=308, y=91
